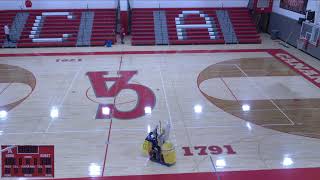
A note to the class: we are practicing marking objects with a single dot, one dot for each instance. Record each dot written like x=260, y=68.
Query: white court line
x=167, y=105
x=261, y=91
x=207, y=127
x=65, y=95
x=53, y=132
x=214, y=168
x=289, y=109
x=165, y=96
x=81, y=131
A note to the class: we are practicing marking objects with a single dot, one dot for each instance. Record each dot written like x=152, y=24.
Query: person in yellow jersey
x=159, y=148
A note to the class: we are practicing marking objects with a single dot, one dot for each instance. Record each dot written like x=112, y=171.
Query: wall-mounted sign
x=298, y=6
x=27, y=161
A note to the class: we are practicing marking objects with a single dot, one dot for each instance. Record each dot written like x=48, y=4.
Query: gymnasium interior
x=160, y=89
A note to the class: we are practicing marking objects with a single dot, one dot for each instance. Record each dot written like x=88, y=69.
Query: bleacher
x=205, y=27
x=104, y=25
x=142, y=29
x=51, y=27
x=150, y=26
x=194, y=35
x=243, y=25
x=60, y=28
x=6, y=17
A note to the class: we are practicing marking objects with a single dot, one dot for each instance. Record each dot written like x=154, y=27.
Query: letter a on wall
x=181, y=26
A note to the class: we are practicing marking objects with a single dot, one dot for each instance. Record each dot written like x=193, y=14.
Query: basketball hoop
x=315, y=44
x=302, y=43
x=309, y=34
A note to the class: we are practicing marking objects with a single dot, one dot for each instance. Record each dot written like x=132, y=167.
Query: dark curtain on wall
x=298, y=6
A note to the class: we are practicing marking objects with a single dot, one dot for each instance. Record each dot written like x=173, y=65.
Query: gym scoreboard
x=27, y=161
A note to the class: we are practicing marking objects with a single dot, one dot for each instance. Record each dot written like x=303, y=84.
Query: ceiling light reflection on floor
x=197, y=108
x=105, y=110
x=94, y=170
x=220, y=163
x=248, y=126
x=54, y=113
x=287, y=161
x=147, y=110
x=3, y=114
x=245, y=107
x=149, y=129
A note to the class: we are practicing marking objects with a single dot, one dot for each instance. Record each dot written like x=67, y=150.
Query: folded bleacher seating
x=243, y=25
x=6, y=17
x=104, y=26
x=49, y=28
x=193, y=26
x=189, y=26
x=56, y=28
x=142, y=27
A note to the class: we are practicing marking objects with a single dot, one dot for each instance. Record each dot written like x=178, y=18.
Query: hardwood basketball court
x=230, y=110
